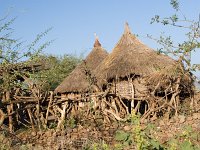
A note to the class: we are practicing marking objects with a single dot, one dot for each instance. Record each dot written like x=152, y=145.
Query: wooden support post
x=10, y=110
x=113, y=103
x=125, y=107
x=38, y=114
x=2, y=117
x=120, y=104
x=145, y=108
x=137, y=106
x=50, y=101
x=31, y=119
x=132, y=96
x=176, y=104
x=62, y=117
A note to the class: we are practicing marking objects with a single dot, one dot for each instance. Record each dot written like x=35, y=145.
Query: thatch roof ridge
x=77, y=80
x=130, y=56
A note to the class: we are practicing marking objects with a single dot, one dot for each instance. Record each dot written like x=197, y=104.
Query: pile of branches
x=21, y=98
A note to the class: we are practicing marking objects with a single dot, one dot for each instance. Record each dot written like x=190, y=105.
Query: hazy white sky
x=75, y=22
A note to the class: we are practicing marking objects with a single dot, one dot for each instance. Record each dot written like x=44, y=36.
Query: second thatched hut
x=81, y=81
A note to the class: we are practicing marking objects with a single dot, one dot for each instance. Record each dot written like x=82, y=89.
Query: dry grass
x=78, y=80
x=169, y=76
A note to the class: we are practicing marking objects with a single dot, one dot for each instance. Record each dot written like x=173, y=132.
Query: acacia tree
x=181, y=51
x=15, y=59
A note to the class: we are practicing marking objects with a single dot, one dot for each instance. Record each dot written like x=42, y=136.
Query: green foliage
x=97, y=146
x=143, y=139
x=186, y=140
x=137, y=132
x=186, y=145
x=137, y=138
x=175, y=4
x=52, y=125
x=182, y=50
x=13, y=56
x=100, y=146
x=58, y=69
x=122, y=136
x=71, y=122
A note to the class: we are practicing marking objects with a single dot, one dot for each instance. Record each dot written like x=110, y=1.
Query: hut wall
x=124, y=89
x=130, y=89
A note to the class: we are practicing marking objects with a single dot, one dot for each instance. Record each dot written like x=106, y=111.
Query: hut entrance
x=140, y=106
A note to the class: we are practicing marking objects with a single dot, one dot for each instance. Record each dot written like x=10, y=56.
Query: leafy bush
x=57, y=69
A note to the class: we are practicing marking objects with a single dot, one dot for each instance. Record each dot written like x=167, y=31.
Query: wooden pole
x=31, y=119
x=132, y=96
x=50, y=101
x=37, y=114
x=2, y=117
x=62, y=117
x=9, y=110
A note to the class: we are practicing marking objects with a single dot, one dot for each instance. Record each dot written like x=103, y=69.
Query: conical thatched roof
x=78, y=81
x=130, y=56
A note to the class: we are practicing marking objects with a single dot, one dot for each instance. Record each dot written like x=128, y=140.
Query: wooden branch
x=133, y=95
x=58, y=108
x=113, y=103
x=157, y=86
x=115, y=115
x=118, y=102
x=2, y=117
x=137, y=106
x=37, y=114
x=62, y=118
x=49, y=104
x=9, y=110
x=126, y=108
x=24, y=124
x=31, y=119
x=110, y=105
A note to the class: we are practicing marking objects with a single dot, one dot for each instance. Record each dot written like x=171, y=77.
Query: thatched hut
x=81, y=79
x=78, y=86
x=127, y=71
x=129, y=60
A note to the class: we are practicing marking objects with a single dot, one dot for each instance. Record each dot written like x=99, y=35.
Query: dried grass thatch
x=79, y=79
x=130, y=56
x=169, y=76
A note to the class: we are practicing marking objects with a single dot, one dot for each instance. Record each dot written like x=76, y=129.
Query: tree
x=58, y=69
x=14, y=63
x=181, y=51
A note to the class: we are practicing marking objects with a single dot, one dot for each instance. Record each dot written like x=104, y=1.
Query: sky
x=75, y=22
